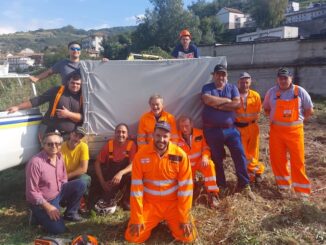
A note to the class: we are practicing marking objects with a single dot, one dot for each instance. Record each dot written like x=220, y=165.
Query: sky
x=28, y=15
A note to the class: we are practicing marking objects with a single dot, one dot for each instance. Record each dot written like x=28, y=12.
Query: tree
x=162, y=25
x=117, y=47
x=268, y=13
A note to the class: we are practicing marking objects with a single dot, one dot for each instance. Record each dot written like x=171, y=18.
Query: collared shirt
x=43, y=180
x=305, y=101
x=213, y=116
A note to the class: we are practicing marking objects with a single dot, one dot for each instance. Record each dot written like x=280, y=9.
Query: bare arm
x=214, y=101
x=22, y=106
x=117, y=178
x=308, y=113
x=41, y=76
x=231, y=106
x=82, y=169
x=65, y=113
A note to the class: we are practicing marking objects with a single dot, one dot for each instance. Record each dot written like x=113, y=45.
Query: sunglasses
x=75, y=49
x=52, y=144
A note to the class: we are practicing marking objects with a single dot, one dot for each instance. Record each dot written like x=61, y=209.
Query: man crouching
x=47, y=186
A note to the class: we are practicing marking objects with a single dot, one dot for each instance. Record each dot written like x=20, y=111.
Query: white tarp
x=118, y=91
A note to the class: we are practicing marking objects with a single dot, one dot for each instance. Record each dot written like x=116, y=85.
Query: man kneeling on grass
x=47, y=187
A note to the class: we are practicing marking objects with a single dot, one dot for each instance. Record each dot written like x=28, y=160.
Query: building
x=275, y=33
x=232, y=18
x=308, y=14
x=292, y=7
x=19, y=63
x=92, y=44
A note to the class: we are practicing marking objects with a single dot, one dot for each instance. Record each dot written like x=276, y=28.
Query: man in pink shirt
x=47, y=186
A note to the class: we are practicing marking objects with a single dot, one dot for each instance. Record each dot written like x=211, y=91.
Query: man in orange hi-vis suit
x=148, y=120
x=247, y=123
x=193, y=142
x=288, y=105
x=161, y=189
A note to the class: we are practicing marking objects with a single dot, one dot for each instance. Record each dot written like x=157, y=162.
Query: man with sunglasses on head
x=47, y=187
x=63, y=67
x=65, y=107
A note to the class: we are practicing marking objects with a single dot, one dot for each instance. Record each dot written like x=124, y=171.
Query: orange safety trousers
x=208, y=173
x=250, y=142
x=286, y=135
x=153, y=214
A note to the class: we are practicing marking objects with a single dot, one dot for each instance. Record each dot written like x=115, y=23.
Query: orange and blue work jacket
x=157, y=179
x=147, y=124
x=198, y=147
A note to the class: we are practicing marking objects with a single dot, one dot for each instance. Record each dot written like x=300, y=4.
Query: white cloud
x=7, y=29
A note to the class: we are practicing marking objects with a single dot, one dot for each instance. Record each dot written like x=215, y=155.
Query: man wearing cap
x=75, y=154
x=288, y=105
x=147, y=121
x=47, y=187
x=65, y=107
x=161, y=189
x=63, y=67
x=185, y=49
x=221, y=99
x=247, y=123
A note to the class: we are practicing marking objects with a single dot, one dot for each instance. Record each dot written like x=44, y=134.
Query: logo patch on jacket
x=198, y=138
x=145, y=160
x=175, y=158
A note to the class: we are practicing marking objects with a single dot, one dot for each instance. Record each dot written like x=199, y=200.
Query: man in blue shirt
x=185, y=49
x=221, y=99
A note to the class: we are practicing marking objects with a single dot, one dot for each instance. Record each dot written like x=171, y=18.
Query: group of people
x=154, y=176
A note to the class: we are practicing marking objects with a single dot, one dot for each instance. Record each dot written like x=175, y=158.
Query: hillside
x=41, y=38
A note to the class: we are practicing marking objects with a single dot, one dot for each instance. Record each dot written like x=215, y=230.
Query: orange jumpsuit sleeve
x=137, y=192
x=185, y=190
x=141, y=133
x=174, y=130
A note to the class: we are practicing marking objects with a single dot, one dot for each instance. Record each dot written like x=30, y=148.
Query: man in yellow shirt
x=76, y=156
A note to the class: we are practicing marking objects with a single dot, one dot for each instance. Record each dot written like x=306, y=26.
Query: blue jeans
x=70, y=194
x=216, y=139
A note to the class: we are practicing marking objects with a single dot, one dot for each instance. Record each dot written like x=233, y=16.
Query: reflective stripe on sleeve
x=195, y=155
x=212, y=178
x=304, y=186
x=282, y=177
x=185, y=182
x=136, y=182
x=136, y=193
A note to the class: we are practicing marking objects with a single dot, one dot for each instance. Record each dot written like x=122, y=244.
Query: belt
x=218, y=125
x=243, y=124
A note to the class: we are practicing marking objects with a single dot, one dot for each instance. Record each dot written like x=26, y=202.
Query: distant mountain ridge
x=47, y=38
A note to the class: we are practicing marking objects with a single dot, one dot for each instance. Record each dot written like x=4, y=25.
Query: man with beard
x=148, y=120
x=76, y=156
x=161, y=189
x=113, y=167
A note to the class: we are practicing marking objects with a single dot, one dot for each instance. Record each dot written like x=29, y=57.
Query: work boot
x=248, y=193
x=74, y=218
x=258, y=179
x=224, y=191
x=213, y=200
x=285, y=193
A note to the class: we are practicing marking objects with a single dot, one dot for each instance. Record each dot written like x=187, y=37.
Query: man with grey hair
x=149, y=119
x=47, y=186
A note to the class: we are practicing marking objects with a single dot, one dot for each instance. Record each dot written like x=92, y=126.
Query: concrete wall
x=306, y=59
